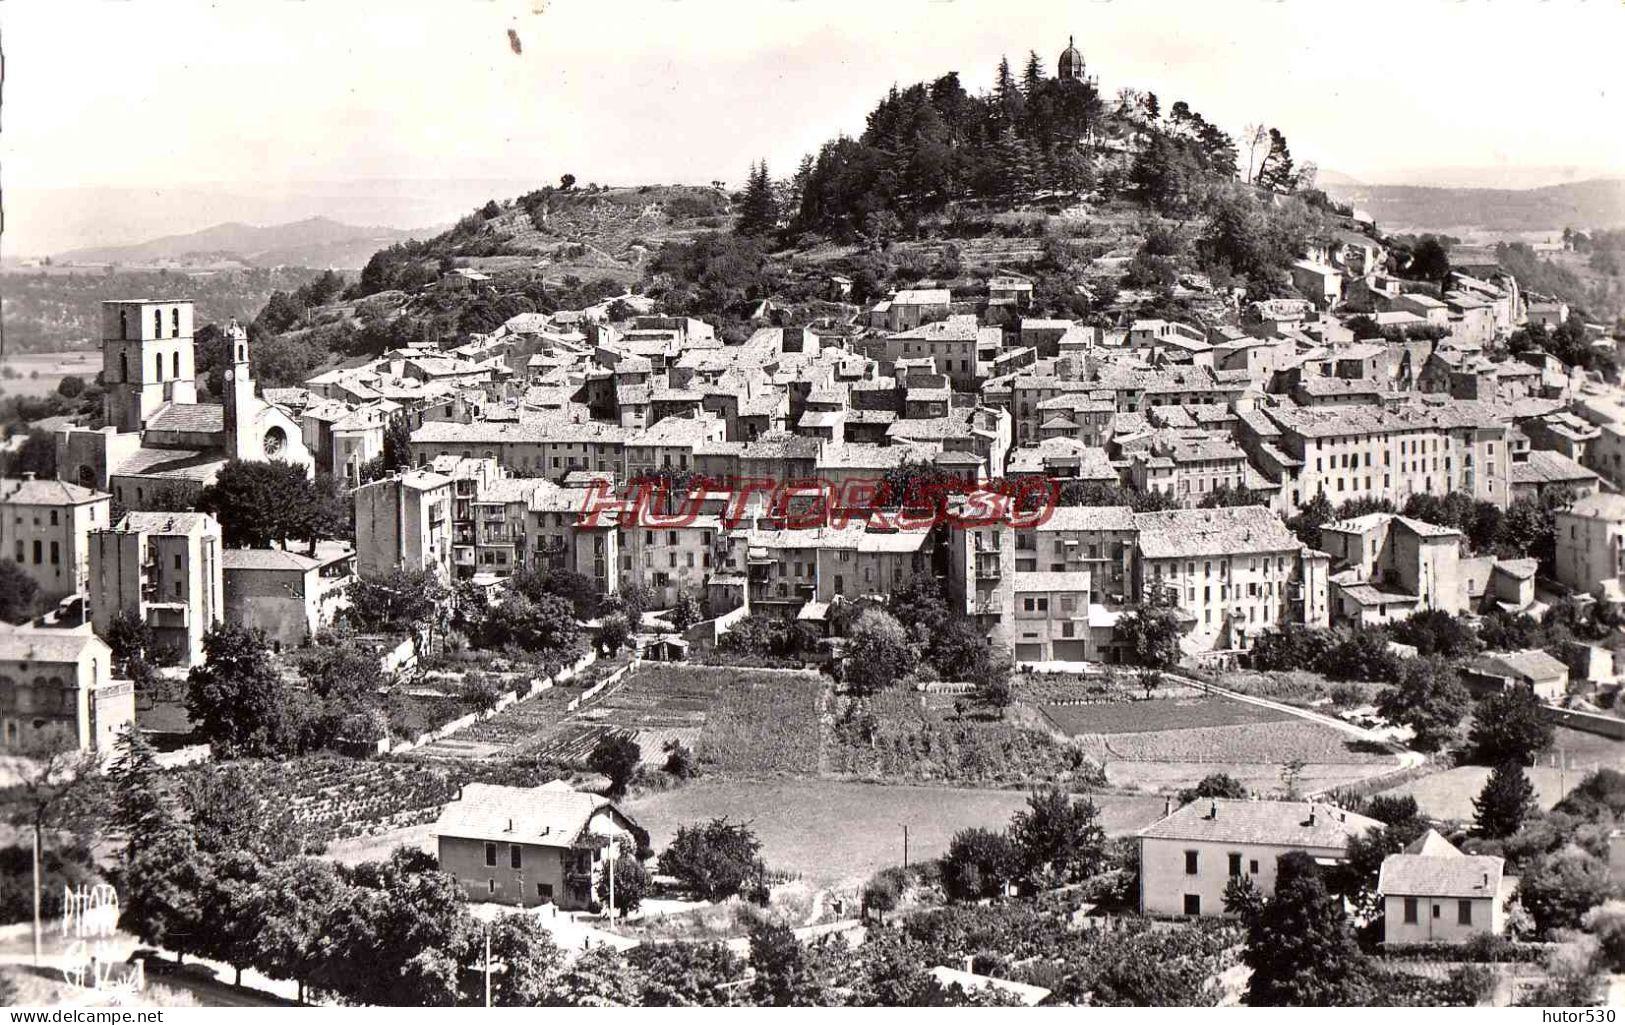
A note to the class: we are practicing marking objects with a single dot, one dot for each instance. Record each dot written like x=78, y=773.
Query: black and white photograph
x=811, y=503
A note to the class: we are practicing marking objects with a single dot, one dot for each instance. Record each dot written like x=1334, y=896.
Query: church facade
x=161, y=446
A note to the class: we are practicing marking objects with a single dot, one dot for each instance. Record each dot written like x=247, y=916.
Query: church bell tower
x=239, y=399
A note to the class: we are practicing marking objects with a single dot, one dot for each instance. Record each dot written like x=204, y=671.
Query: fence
x=598, y=688
x=189, y=755
x=537, y=686
x=1590, y=722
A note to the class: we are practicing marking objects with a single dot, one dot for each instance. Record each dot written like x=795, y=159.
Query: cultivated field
x=1160, y=713
x=38, y=373
x=907, y=735
x=839, y=833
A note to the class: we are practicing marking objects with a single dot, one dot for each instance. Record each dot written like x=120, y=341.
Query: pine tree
x=1504, y=803
x=758, y=210
x=1299, y=944
x=140, y=813
x=1033, y=75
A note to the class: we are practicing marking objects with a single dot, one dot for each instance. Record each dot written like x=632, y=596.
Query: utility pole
x=487, y=964
x=36, y=893
x=905, y=845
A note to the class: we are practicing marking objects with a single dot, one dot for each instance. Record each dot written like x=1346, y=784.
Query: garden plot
x=914, y=737
x=1159, y=714
x=1175, y=741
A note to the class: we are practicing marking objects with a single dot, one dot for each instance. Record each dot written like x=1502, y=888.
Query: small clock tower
x=239, y=398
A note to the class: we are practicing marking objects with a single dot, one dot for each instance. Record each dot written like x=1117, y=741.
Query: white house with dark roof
x=531, y=845
x=1433, y=893
x=1190, y=855
x=45, y=527
x=1494, y=672
x=57, y=686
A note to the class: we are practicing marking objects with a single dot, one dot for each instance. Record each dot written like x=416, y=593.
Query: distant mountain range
x=314, y=242
x=1597, y=203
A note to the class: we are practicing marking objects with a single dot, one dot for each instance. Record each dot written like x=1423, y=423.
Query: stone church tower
x=147, y=359
x=239, y=402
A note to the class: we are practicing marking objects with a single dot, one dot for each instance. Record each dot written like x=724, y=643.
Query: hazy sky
x=163, y=92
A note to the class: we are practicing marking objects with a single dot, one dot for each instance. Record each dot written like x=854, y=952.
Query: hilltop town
x=1044, y=551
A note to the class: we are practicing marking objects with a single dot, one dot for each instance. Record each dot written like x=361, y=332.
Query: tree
x=401, y=935
x=601, y=977
x=239, y=702
x=614, y=634
x=19, y=593
x=547, y=625
x=1430, y=260
x=1558, y=889
x=680, y=762
x=715, y=859
x=632, y=883
x=1058, y=837
x=527, y=963
x=165, y=895
x=344, y=673
x=686, y=612
x=979, y=863
x=1300, y=945
x=1506, y=800
x=758, y=208
x=1216, y=784
x=258, y=503
x=399, y=602
x=293, y=905
x=1151, y=631
x=617, y=756
x=1243, y=899
x=1430, y=699
x=786, y=974
x=1509, y=726
x=140, y=808
x=877, y=653
x=132, y=641
x=1275, y=171
x=686, y=974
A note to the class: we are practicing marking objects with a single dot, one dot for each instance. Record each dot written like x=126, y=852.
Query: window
x=175, y=328
x=491, y=854
x=56, y=553
x=490, y=885
x=175, y=365
x=1252, y=866
x=1435, y=911
x=1464, y=912
x=1235, y=864
x=544, y=891
x=53, y=517
x=1190, y=862
x=1193, y=904
x=158, y=365
x=37, y=556
x=158, y=332
x=1410, y=910
x=514, y=857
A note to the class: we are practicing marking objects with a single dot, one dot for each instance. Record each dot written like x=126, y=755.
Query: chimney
x=510, y=825
x=1168, y=805
x=1486, y=880
x=1311, y=814
x=1213, y=809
